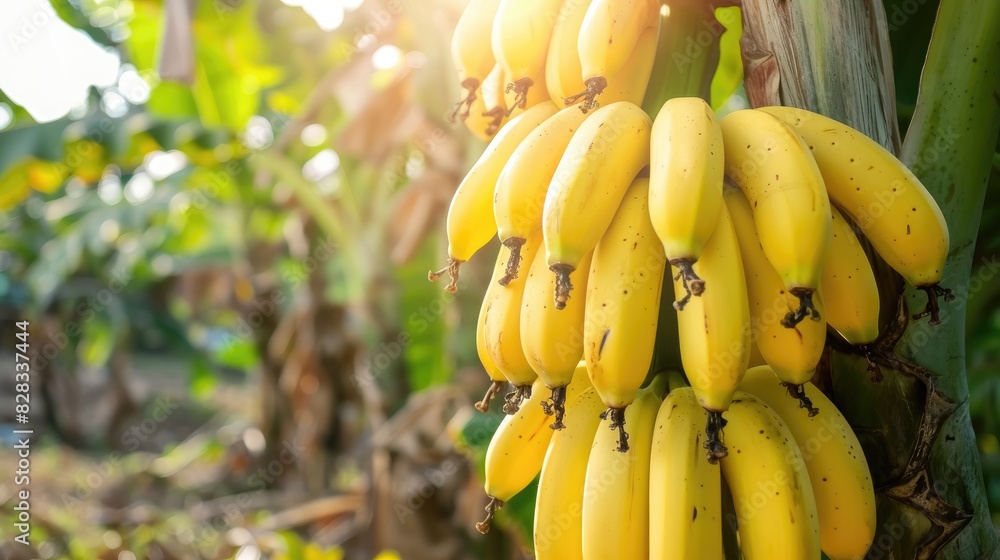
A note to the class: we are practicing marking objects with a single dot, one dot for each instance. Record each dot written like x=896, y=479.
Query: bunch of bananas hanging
x=761, y=219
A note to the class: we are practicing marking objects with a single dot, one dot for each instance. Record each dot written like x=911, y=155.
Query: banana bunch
x=761, y=218
x=574, y=52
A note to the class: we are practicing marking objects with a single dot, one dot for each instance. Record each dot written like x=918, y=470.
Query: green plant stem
x=687, y=54
x=950, y=146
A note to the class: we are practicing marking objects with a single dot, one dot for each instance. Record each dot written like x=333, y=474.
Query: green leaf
x=729, y=73
x=238, y=354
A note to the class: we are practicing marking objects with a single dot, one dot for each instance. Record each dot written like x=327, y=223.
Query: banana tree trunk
x=834, y=58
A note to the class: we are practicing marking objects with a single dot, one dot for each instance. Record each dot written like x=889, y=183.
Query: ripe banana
x=714, y=331
x=622, y=305
x=558, y=531
x=773, y=167
x=884, y=198
x=600, y=162
x=616, y=493
x=496, y=376
x=793, y=352
x=841, y=481
x=471, y=52
x=849, y=287
x=520, y=191
x=552, y=339
x=470, y=216
x=685, y=184
x=563, y=71
x=502, y=333
x=685, y=490
x=515, y=454
x=775, y=506
x=608, y=35
x=520, y=37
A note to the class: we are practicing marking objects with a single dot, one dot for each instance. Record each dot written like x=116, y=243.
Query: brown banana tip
x=563, y=284
x=558, y=408
x=933, y=309
x=617, y=416
x=520, y=89
x=494, y=390
x=799, y=392
x=452, y=270
x=496, y=115
x=874, y=372
x=588, y=97
x=491, y=510
x=713, y=437
x=514, y=262
x=806, y=308
x=693, y=284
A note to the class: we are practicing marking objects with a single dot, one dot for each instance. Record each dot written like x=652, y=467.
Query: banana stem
x=676, y=380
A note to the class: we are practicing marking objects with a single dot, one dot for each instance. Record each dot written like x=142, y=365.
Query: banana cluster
x=799, y=484
x=761, y=220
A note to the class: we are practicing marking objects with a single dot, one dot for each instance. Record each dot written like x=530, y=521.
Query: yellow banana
x=849, y=286
x=686, y=169
x=520, y=37
x=470, y=216
x=616, y=492
x=884, y=198
x=563, y=71
x=608, y=35
x=552, y=339
x=841, y=481
x=685, y=490
x=775, y=506
x=502, y=333
x=496, y=376
x=600, y=162
x=471, y=51
x=622, y=305
x=515, y=454
x=793, y=352
x=777, y=173
x=714, y=331
x=520, y=191
x=558, y=531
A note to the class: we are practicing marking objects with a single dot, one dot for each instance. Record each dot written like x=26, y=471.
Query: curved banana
x=470, y=216
x=775, y=506
x=520, y=191
x=515, y=454
x=841, y=481
x=502, y=333
x=552, y=339
x=849, y=286
x=885, y=199
x=793, y=352
x=471, y=52
x=685, y=490
x=600, y=162
x=714, y=331
x=685, y=184
x=777, y=173
x=558, y=529
x=622, y=306
x=616, y=493
x=608, y=35
x=496, y=375
x=520, y=37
